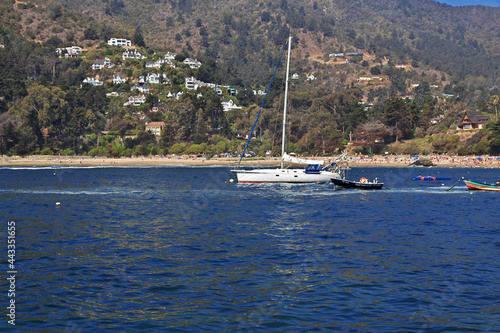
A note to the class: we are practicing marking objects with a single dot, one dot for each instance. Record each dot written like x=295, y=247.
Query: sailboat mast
x=286, y=100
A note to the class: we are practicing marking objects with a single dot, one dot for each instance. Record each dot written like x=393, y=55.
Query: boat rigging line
x=455, y=184
x=261, y=106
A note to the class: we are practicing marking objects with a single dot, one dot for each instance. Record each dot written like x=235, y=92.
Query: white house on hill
x=119, y=42
x=192, y=63
x=118, y=79
x=170, y=56
x=132, y=54
x=135, y=100
x=228, y=104
x=93, y=81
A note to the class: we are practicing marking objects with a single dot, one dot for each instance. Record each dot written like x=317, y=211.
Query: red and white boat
x=476, y=186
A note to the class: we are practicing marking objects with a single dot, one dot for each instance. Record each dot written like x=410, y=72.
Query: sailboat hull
x=283, y=176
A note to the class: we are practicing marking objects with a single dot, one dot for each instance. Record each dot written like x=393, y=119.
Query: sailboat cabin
x=474, y=120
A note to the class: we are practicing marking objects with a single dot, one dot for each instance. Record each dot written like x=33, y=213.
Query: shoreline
x=354, y=161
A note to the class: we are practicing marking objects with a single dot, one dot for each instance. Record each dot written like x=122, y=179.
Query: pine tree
x=138, y=39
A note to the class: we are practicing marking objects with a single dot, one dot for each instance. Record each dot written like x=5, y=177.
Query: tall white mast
x=286, y=100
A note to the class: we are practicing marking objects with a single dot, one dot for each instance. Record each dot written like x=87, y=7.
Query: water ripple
x=156, y=249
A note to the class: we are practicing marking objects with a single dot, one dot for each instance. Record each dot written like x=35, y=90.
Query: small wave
x=79, y=167
x=87, y=167
x=70, y=192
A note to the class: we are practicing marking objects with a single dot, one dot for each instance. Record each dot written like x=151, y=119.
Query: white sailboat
x=313, y=173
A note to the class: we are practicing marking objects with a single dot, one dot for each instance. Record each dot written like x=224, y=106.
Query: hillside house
x=155, y=127
x=118, y=79
x=132, y=54
x=165, y=80
x=228, y=104
x=69, y=52
x=100, y=64
x=93, y=81
x=174, y=95
x=192, y=63
x=168, y=62
x=295, y=76
x=115, y=94
x=170, y=56
x=153, y=78
x=231, y=91
x=191, y=83
x=259, y=92
x=135, y=100
x=158, y=107
x=153, y=64
x=369, y=78
x=215, y=87
x=474, y=120
x=143, y=88
x=119, y=42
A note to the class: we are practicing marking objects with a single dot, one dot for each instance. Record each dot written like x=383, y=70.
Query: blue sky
x=491, y=3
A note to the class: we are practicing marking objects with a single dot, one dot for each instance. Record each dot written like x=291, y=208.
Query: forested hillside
x=461, y=41
x=402, y=70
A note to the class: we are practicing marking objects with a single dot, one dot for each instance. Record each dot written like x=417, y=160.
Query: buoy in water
x=54, y=173
x=58, y=203
x=231, y=180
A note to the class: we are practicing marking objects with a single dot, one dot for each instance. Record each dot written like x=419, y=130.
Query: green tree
x=91, y=33
x=494, y=137
x=423, y=93
x=494, y=102
x=265, y=16
x=43, y=109
x=138, y=39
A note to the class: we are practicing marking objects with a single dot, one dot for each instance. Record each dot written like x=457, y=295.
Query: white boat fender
x=231, y=180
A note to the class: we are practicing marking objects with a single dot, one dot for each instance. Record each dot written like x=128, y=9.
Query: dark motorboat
x=362, y=184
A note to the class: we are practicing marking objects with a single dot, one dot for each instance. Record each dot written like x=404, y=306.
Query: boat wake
x=97, y=191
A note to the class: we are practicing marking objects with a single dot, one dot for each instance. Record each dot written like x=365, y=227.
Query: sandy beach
x=376, y=160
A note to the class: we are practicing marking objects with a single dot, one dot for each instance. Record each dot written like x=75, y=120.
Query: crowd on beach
x=354, y=160
x=437, y=160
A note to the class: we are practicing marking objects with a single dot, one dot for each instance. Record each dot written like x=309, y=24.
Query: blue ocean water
x=180, y=249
